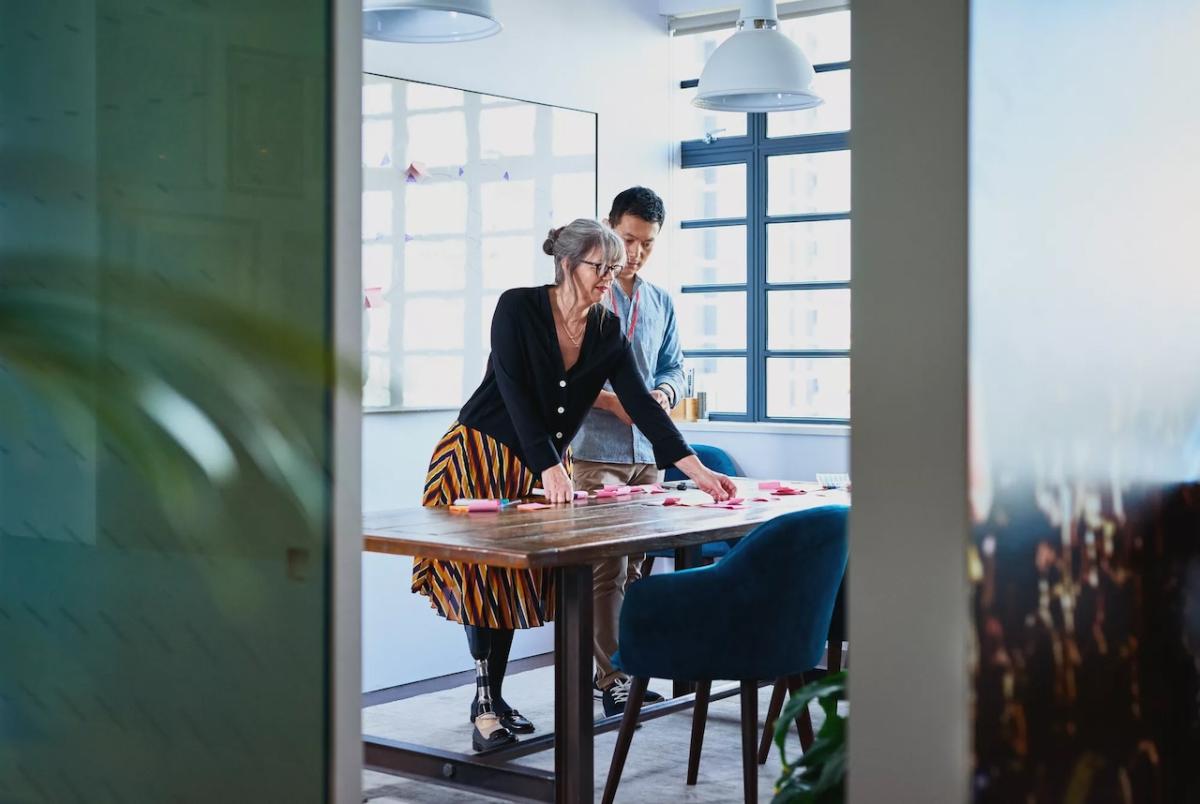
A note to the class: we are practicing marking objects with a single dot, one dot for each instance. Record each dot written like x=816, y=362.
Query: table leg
x=573, y=768
x=685, y=558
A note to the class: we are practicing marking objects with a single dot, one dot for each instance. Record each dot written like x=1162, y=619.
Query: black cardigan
x=528, y=403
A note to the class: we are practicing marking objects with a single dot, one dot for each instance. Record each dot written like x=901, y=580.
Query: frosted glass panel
x=164, y=595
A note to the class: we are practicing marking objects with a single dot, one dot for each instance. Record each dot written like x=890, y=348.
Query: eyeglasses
x=604, y=270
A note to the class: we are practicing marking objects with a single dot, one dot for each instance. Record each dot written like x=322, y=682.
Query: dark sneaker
x=597, y=693
x=615, y=696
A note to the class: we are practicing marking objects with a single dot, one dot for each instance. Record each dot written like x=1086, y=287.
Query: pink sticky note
x=769, y=484
x=734, y=500
x=658, y=490
x=762, y=499
x=531, y=506
x=624, y=490
x=373, y=297
x=670, y=501
x=785, y=491
x=637, y=490
x=483, y=505
x=606, y=493
x=610, y=487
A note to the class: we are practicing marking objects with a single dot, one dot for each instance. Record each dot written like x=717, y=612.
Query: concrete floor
x=654, y=772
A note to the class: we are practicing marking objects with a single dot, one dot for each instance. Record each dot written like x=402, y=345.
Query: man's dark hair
x=641, y=202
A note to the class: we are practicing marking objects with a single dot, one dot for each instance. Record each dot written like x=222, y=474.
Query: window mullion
x=756, y=370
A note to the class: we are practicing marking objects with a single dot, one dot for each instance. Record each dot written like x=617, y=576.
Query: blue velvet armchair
x=761, y=613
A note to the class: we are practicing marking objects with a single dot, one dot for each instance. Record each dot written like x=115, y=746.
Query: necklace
x=574, y=339
x=561, y=323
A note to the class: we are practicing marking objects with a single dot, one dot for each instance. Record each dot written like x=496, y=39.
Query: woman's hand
x=714, y=484
x=557, y=484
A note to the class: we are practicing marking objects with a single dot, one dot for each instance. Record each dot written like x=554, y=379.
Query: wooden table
x=568, y=539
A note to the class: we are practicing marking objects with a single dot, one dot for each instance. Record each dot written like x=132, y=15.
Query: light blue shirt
x=603, y=437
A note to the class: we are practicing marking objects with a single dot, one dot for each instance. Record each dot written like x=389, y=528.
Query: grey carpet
x=655, y=770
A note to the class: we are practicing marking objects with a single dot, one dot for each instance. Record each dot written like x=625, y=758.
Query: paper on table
x=531, y=506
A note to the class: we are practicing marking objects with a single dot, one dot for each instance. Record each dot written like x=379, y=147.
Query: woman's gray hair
x=574, y=241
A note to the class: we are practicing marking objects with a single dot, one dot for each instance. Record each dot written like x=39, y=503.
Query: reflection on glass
x=723, y=381
x=376, y=214
x=487, y=308
x=427, y=322
x=508, y=205
x=435, y=208
x=808, y=319
x=435, y=263
x=376, y=143
x=377, y=387
x=378, y=321
x=691, y=123
x=574, y=133
x=376, y=96
x=799, y=183
x=426, y=96
x=510, y=261
x=808, y=388
x=817, y=251
x=436, y=141
x=832, y=115
x=508, y=131
x=428, y=381
x=712, y=192
x=377, y=265
x=824, y=38
x=713, y=255
x=712, y=320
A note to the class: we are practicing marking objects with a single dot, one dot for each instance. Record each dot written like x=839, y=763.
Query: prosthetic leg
x=489, y=731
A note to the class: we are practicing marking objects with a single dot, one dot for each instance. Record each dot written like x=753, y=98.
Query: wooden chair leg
x=768, y=734
x=833, y=662
x=803, y=721
x=637, y=692
x=699, y=719
x=749, y=739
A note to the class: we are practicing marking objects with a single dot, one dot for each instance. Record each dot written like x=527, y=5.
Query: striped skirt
x=468, y=463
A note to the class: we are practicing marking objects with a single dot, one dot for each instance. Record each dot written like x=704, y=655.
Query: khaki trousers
x=612, y=576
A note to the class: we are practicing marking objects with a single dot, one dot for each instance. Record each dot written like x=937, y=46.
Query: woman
x=553, y=348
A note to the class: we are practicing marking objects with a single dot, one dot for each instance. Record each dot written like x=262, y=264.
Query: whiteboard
x=459, y=190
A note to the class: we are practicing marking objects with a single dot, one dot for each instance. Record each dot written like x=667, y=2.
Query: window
x=761, y=261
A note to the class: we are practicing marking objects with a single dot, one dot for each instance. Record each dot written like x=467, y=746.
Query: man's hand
x=662, y=399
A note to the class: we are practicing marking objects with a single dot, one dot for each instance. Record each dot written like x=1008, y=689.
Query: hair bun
x=551, y=239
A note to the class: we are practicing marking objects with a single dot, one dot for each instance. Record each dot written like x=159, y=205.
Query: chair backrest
x=714, y=458
x=789, y=570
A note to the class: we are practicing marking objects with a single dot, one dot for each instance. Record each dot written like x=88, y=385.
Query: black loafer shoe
x=514, y=721
x=501, y=736
x=510, y=718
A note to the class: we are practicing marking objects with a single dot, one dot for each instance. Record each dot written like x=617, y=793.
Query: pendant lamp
x=758, y=69
x=429, y=21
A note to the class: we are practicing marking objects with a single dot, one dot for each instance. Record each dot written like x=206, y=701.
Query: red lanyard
x=633, y=310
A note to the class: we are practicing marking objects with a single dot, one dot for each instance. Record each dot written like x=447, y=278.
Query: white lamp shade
x=757, y=70
x=429, y=21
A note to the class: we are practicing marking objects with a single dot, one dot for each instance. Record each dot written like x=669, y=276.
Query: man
x=608, y=449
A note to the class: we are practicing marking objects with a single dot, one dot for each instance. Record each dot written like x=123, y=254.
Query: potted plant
x=819, y=775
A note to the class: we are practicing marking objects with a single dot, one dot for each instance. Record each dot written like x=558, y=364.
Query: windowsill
x=776, y=428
